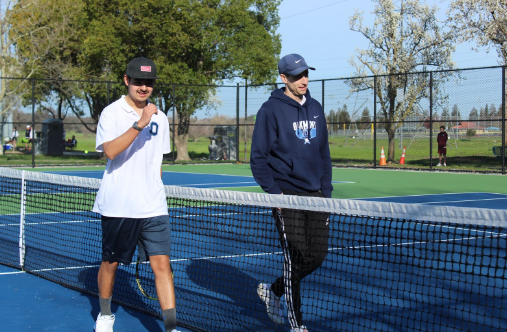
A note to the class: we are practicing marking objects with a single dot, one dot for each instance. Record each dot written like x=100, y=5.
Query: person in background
x=14, y=138
x=290, y=156
x=28, y=135
x=442, y=146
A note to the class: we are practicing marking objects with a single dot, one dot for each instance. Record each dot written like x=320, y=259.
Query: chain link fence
x=395, y=114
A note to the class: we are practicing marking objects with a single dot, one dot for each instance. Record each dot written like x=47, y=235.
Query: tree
x=331, y=120
x=195, y=44
x=401, y=42
x=445, y=114
x=344, y=117
x=493, y=112
x=455, y=114
x=474, y=114
x=49, y=36
x=484, y=113
x=364, y=122
x=482, y=21
x=22, y=31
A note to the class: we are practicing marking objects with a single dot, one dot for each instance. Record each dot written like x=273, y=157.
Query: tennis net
x=389, y=266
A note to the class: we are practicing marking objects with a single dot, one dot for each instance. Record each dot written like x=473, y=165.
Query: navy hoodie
x=290, y=148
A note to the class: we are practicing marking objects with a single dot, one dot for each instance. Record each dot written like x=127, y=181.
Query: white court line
x=7, y=273
x=206, y=174
x=53, y=222
x=279, y=252
x=209, y=184
x=423, y=195
x=466, y=200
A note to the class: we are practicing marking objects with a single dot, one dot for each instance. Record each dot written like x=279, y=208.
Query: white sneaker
x=302, y=328
x=273, y=303
x=104, y=323
x=445, y=164
x=439, y=164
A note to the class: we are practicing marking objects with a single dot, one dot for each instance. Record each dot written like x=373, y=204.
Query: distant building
x=468, y=125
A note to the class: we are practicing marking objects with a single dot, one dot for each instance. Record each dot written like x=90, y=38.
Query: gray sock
x=105, y=306
x=169, y=316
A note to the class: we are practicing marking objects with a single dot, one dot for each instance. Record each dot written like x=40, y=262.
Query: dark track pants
x=304, y=238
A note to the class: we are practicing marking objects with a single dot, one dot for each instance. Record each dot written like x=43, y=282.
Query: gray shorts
x=121, y=235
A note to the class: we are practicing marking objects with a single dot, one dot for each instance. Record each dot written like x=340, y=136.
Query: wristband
x=136, y=127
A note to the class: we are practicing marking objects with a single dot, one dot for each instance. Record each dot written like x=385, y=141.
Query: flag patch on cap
x=146, y=68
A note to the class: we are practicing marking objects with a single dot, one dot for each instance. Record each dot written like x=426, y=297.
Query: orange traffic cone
x=382, y=158
x=402, y=159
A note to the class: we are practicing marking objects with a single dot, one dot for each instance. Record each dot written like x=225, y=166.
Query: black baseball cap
x=142, y=68
x=293, y=64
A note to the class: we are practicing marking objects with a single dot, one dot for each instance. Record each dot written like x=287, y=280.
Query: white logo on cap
x=146, y=68
x=299, y=60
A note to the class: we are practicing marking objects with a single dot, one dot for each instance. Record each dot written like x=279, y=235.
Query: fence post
x=431, y=120
x=174, y=123
x=374, y=128
x=237, y=123
x=246, y=116
x=323, y=87
x=33, y=123
x=503, y=120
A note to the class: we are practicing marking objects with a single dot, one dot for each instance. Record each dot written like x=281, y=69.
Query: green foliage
x=195, y=44
x=471, y=133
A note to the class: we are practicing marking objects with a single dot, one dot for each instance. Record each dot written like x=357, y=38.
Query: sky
x=319, y=31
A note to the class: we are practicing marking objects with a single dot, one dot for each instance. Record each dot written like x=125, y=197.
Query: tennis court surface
x=390, y=266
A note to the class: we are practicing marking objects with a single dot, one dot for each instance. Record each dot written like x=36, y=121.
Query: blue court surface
x=30, y=303
x=471, y=200
x=195, y=180
x=236, y=255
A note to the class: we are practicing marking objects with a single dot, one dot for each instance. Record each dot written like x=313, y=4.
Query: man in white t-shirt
x=134, y=135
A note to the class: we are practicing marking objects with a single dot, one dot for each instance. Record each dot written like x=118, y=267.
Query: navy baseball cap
x=293, y=64
x=142, y=68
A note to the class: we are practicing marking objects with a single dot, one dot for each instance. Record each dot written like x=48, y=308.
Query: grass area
x=25, y=159
x=85, y=142
x=464, y=154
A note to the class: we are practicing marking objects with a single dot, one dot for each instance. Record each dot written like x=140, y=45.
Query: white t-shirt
x=131, y=186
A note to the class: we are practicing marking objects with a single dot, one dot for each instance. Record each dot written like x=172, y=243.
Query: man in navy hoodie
x=290, y=156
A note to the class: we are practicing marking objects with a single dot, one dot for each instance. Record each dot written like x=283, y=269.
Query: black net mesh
x=386, y=266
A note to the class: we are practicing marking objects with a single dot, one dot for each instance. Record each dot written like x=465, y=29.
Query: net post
x=22, y=224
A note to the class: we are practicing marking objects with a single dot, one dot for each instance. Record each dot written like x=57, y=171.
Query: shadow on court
x=229, y=294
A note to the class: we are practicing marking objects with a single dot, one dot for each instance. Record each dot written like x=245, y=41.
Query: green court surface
x=359, y=183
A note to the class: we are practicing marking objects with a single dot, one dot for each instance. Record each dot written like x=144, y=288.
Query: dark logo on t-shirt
x=154, y=128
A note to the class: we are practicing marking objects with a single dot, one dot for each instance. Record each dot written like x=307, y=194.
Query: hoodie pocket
x=307, y=170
